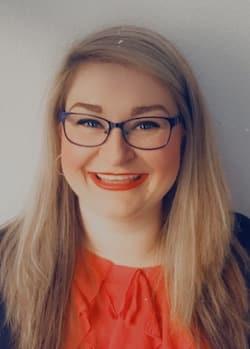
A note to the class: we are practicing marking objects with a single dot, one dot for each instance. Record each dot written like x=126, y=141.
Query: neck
x=130, y=241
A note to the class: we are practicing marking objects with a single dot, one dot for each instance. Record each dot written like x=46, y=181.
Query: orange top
x=113, y=306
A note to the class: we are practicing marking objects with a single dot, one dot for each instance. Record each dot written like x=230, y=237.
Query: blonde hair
x=39, y=247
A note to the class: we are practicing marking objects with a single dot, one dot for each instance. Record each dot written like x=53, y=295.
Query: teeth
x=117, y=178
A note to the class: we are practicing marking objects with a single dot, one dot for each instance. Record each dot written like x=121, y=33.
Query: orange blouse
x=119, y=307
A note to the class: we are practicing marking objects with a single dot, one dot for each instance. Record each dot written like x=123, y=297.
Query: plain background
x=213, y=35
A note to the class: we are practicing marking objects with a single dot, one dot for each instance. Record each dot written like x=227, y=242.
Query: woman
x=129, y=239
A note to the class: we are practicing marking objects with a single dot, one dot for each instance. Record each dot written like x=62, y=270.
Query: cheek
x=73, y=158
x=165, y=162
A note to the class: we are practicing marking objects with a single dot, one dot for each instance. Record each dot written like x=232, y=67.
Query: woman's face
x=114, y=92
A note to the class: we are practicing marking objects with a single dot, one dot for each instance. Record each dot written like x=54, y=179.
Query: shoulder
x=240, y=245
x=5, y=333
x=242, y=230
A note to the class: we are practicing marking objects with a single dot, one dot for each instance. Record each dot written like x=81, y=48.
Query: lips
x=115, y=181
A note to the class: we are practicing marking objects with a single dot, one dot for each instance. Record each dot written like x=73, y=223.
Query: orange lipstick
x=121, y=181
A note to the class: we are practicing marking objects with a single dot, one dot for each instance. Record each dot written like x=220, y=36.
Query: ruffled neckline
x=111, y=271
x=143, y=304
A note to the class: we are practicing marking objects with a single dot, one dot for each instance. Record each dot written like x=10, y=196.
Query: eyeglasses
x=147, y=132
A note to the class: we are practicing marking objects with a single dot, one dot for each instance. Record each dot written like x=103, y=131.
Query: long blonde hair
x=39, y=247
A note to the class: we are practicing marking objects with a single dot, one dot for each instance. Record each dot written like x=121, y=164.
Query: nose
x=115, y=151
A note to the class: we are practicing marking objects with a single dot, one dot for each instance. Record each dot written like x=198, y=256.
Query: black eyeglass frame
x=172, y=120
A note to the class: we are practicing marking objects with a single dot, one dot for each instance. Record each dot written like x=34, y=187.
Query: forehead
x=112, y=83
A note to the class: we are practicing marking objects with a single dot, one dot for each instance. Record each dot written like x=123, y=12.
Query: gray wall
x=213, y=35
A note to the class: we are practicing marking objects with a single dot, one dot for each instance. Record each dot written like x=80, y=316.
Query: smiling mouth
x=111, y=181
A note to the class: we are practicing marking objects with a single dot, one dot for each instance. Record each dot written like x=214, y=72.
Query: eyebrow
x=135, y=111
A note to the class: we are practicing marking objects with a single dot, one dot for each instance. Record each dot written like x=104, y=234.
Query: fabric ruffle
x=114, y=307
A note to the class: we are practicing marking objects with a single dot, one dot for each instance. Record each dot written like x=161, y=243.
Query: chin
x=118, y=211
x=115, y=209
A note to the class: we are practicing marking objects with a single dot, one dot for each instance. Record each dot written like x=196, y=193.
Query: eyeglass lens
x=146, y=133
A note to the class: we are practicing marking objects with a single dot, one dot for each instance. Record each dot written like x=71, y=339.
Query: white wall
x=213, y=35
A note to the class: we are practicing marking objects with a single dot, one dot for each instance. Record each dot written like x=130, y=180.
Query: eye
x=90, y=123
x=146, y=125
